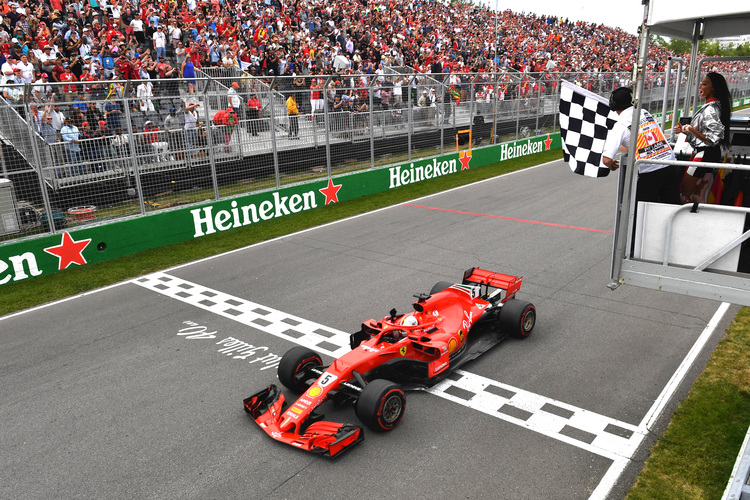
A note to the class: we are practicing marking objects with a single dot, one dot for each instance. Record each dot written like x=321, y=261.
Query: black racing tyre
x=381, y=405
x=440, y=286
x=517, y=318
x=292, y=370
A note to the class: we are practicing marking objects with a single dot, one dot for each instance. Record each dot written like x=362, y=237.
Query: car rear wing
x=505, y=282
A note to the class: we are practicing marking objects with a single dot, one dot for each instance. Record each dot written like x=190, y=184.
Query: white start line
x=595, y=433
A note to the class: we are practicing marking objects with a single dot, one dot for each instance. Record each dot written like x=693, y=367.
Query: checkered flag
x=585, y=119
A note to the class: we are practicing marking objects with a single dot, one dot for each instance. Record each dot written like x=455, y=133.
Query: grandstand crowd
x=81, y=43
x=133, y=39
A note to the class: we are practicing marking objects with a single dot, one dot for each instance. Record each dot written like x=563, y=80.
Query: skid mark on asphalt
x=564, y=226
x=583, y=429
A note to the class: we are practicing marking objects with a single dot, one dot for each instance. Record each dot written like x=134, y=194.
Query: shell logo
x=314, y=392
x=452, y=345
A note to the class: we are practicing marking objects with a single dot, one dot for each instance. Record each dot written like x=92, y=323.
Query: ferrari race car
x=450, y=326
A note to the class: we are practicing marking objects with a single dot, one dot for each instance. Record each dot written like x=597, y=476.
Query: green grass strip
x=24, y=294
x=694, y=457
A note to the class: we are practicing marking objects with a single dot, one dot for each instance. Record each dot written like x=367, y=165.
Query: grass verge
x=695, y=455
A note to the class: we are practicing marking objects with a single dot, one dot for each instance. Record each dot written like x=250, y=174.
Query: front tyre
x=293, y=368
x=517, y=318
x=381, y=405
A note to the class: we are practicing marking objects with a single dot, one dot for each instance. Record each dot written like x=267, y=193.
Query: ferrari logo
x=403, y=350
x=461, y=335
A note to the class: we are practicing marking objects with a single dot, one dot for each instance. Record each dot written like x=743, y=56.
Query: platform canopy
x=676, y=19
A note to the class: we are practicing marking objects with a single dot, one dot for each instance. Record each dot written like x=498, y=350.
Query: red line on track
x=510, y=218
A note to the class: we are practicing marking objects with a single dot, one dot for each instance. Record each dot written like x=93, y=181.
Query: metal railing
x=128, y=166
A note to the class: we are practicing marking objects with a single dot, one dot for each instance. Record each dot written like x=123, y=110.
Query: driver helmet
x=409, y=320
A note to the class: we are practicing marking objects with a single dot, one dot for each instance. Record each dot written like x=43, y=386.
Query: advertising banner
x=90, y=244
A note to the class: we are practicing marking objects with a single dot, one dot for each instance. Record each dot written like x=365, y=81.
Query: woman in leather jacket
x=707, y=133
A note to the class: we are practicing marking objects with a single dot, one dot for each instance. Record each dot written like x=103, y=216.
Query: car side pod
x=329, y=439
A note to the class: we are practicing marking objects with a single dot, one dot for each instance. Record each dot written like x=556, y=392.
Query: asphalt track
x=135, y=390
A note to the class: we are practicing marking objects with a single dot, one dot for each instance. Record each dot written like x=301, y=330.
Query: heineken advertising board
x=78, y=247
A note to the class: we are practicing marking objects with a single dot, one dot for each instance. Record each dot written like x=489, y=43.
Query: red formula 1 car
x=452, y=325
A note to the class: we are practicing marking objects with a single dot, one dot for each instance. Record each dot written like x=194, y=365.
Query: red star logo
x=69, y=251
x=464, y=157
x=331, y=192
x=547, y=143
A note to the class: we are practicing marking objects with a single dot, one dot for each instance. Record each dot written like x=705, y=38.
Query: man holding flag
x=656, y=182
x=593, y=130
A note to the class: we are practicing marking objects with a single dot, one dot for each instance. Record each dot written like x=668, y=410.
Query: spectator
x=175, y=34
x=41, y=90
x=188, y=71
x=27, y=69
x=102, y=145
x=71, y=137
x=7, y=69
x=87, y=146
x=253, y=111
x=145, y=93
x=292, y=111
x=70, y=90
x=113, y=113
x=160, y=42
x=180, y=53
x=191, y=125
x=58, y=118
x=47, y=59
x=226, y=121
x=153, y=136
x=46, y=129
x=174, y=124
x=138, y=30
x=233, y=99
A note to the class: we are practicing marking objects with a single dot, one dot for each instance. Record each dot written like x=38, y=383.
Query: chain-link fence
x=89, y=152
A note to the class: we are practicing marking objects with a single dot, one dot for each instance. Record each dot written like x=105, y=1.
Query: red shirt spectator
x=68, y=76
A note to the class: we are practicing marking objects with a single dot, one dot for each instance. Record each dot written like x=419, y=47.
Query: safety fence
x=98, y=151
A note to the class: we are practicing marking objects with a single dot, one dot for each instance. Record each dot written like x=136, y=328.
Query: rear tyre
x=440, y=286
x=517, y=318
x=293, y=368
x=381, y=405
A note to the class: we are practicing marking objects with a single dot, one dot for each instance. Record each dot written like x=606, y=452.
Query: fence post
x=313, y=120
x=133, y=148
x=210, y=142
x=37, y=159
x=496, y=87
x=327, y=125
x=539, y=104
x=472, y=104
x=410, y=127
x=440, y=112
x=273, y=135
x=372, y=121
x=518, y=109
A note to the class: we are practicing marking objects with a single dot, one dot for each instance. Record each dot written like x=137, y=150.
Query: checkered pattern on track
x=266, y=319
x=581, y=428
